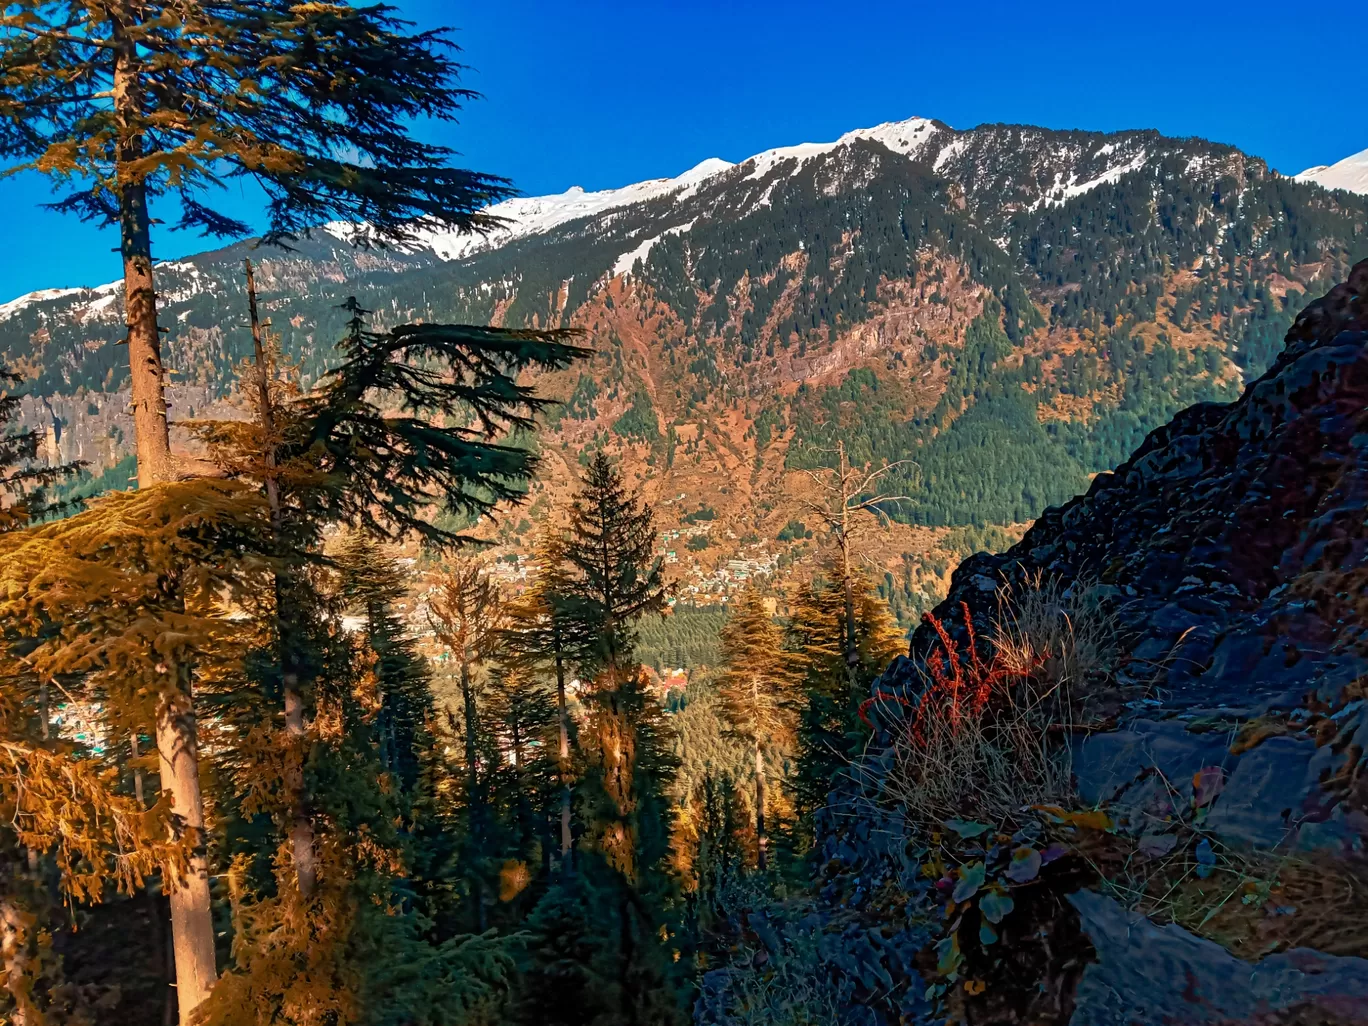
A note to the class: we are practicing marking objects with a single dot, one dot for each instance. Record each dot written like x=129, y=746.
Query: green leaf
x=970, y=880
x=966, y=828
x=948, y=957
x=994, y=905
x=987, y=935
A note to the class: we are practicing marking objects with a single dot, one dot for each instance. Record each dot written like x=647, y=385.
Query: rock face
x=1231, y=550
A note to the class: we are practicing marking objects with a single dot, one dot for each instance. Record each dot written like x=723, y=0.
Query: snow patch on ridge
x=1350, y=173
x=625, y=263
x=16, y=306
x=949, y=152
x=534, y=215
x=1109, y=177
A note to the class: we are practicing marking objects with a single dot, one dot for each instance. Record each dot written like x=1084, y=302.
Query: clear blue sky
x=599, y=94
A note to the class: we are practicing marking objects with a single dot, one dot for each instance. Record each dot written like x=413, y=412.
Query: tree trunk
x=524, y=812
x=192, y=923
x=567, y=837
x=761, y=840
x=150, y=428
x=137, y=771
x=473, y=802
x=852, y=654
x=301, y=828
x=177, y=745
x=164, y=963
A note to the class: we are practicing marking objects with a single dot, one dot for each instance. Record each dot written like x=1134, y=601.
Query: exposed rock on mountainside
x=1206, y=864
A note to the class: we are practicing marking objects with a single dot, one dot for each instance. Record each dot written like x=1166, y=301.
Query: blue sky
x=599, y=94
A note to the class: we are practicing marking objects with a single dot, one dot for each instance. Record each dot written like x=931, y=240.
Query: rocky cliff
x=1188, y=845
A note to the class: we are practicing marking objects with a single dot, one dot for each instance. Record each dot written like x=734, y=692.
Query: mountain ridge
x=1350, y=174
x=532, y=215
x=1011, y=307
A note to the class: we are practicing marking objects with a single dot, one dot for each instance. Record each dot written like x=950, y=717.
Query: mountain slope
x=1213, y=825
x=1351, y=173
x=1012, y=308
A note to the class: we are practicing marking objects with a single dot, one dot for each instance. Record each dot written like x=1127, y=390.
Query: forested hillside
x=1010, y=308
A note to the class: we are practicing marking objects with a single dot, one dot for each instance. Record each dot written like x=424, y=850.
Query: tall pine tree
x=611, y=578
x=829, y=730
x=128, y=102
x=614, y=578
x=757, y=688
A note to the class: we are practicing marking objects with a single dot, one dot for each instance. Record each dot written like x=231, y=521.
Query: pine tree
x=829, y=729
x=846, y=502
x=23, y=478
x=614, y=576
x=757, y=689
x=127, y=103
x=612, y=579
x=296, y=621
x=541, y=635
x=465, y=612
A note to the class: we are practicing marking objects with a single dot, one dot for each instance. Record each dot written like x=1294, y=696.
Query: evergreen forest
x=282, y=744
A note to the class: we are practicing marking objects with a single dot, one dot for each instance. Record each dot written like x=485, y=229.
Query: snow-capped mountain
x=1055, y=170
x=1068, y=170
x=1012, y=306
x=1350, y=173
x=1050, y=168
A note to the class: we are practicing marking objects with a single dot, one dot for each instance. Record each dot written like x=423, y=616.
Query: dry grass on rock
x=989, y=735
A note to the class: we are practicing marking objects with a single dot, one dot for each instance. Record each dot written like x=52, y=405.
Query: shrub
x=987, y=737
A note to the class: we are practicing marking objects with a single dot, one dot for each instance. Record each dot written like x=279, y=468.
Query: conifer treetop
x=757, y=681
x=312, y=102
x=614, y=576
x=816, y=626
x=460, y=393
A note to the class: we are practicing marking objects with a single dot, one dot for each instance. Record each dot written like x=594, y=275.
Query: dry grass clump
x=1252, y=904
x=989, y=734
